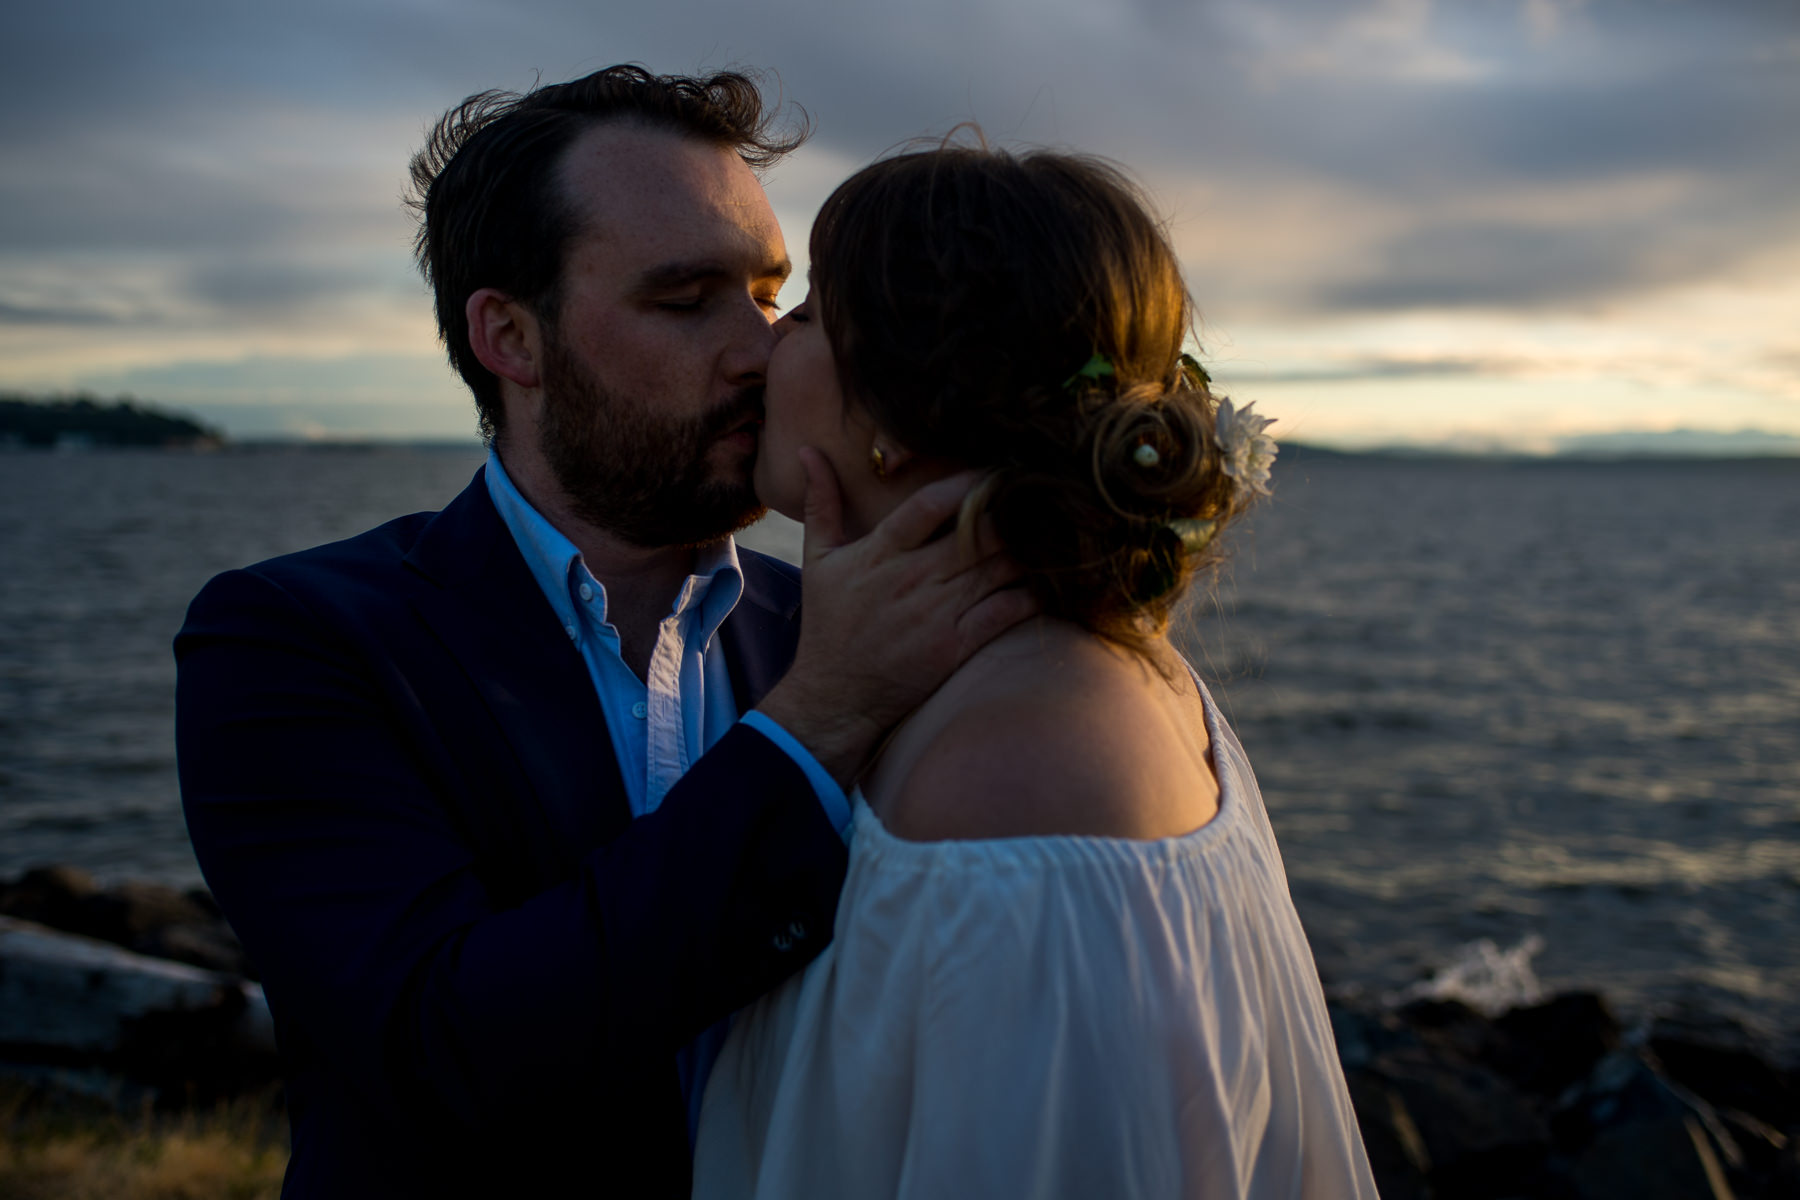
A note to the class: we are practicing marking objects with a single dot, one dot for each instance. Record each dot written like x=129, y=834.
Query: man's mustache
x=743, y=410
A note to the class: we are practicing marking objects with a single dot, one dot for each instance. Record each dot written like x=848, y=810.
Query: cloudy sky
x=1502, y=221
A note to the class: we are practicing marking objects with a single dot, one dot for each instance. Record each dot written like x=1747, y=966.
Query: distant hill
x=86, y=421
x=1681, y=443
x=1673, y=443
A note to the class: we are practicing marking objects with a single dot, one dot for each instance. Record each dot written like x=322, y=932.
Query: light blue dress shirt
x=662, y=723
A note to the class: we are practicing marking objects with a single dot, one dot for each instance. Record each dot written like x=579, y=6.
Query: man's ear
x=504, y=336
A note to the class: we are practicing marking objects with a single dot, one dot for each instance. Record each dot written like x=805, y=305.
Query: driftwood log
x=68, y=1001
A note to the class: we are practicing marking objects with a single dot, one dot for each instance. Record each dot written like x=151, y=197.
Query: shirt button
x=586, y=591
x=574, y=634
x=640, y=710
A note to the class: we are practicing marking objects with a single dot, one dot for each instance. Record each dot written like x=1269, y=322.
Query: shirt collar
x=714, y=588
x=712, y=591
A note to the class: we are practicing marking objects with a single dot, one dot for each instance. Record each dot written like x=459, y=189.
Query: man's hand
x=887, y=617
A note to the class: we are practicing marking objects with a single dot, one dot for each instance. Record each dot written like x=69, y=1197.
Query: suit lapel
x=490, y=615
x=761, y=633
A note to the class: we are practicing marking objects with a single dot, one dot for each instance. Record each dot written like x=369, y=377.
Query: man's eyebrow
x=672, y=275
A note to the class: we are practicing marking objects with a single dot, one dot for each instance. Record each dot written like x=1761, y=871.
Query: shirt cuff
x=831, y=796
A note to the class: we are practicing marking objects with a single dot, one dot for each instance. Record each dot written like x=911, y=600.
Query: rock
x=1453, y=1029
x=1542, y=1048
x=1549, y=1046
x=164, y=923
x=1543, y=1102
x=1481, y=1136
x=1665, y=1159
x=1784, y=1180
x=212, y=946
x=132, y=911
x=150, y=918
x=1717, y=1058
x=1397, y=1155
x=1434, y=1013
x=53, y=896
x=203, y=900
x=1768, y=1154
x=1632, y=1132
x=75, y=1002
x=1362, y=1035
x=1623, y=1088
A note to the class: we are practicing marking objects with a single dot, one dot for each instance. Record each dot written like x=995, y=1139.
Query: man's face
x=653, y=371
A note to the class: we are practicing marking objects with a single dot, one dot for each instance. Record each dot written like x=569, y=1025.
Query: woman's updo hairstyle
x=964, y=291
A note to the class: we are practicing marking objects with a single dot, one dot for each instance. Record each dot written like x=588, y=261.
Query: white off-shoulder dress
x=1046, y=1017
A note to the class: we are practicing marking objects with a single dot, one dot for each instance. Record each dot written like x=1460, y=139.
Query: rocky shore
x=1556, y=1101
x=141, y=993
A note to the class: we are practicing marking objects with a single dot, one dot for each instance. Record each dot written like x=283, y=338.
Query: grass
x=69, y=1149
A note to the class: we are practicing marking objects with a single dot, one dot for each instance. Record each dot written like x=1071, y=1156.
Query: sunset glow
x=1497, y=224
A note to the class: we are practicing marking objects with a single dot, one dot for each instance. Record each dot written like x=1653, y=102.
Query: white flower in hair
x=1247, y=450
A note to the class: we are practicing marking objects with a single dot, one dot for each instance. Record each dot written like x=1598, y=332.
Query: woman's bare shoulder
x=1070, y=739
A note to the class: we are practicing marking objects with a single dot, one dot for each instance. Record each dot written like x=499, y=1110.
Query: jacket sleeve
x=315, y=798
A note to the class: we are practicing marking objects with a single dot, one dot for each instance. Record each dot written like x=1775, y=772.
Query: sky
x=1491, y=223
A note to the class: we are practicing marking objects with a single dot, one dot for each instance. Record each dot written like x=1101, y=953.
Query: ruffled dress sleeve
x=1046, y=1017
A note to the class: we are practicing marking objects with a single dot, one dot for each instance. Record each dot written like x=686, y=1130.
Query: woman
x=1065, y=960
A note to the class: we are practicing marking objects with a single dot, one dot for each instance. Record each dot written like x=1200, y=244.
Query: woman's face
x=804, y=406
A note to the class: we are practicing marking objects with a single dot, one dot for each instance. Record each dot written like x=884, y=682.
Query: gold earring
x=878, y=462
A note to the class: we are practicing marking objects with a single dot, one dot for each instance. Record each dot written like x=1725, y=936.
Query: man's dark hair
x=485, y=186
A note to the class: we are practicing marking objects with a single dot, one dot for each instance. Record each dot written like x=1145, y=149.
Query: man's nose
x=753, y=338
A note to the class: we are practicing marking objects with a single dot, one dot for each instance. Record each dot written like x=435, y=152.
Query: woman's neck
x=1052, y=730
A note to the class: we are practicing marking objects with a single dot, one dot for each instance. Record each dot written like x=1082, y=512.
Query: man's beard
x=634, y=473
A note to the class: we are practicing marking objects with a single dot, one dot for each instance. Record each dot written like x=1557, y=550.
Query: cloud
x=207, y=127
x=201, y=182
x=1545, y=19
x=40, y=314
x=1366, y=367
x=389, y=379
x=249, y=284
x=230, y=171
x=1498, y=265
x=1392, y=40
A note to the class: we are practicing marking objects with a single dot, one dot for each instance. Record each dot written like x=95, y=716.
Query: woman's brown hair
x=1025, y=314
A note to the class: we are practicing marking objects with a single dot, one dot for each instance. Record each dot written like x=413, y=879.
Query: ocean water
x=1485, y=700
x=1544, y=699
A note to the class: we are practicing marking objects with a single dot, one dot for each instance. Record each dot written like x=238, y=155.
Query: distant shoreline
x=82, y=422
x=1295, y=451
x=1292, y=453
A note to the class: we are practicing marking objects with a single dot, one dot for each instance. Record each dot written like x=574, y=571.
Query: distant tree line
x=86, y=420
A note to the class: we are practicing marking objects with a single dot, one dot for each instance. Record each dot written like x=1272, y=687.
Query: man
x=473, y=787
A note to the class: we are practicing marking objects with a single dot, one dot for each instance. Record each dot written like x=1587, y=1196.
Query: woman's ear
x=887, y=456
x=504, y=336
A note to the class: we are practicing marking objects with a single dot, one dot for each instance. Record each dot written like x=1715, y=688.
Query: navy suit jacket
x=402, y=792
